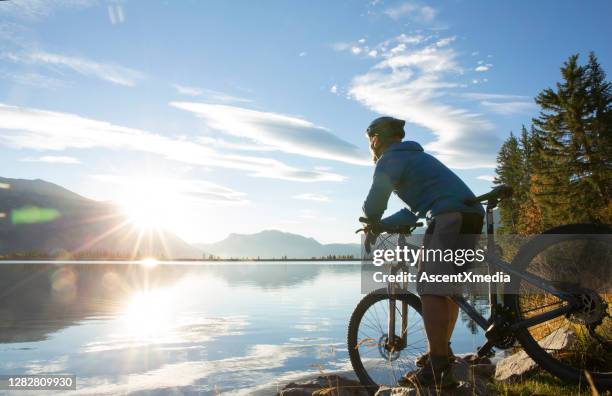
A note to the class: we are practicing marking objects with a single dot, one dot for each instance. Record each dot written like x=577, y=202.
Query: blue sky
x=218, y=117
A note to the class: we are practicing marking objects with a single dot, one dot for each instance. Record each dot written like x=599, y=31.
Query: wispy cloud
x=503, y=104
x=312, y=197
x=14, y=35
x=186, y=90
x=413, y=83
x=116, y=15
x=414, y=11
x=36, y=9
x=105, y=71
x=48, y=130
x=341, y=46
x=32, y=79
x=445, y=41
x=192, y=190
x=235, y=145
x=53, y=159
x=509, y=108
x=488, y=178
x=286, y=133
x=209, y=94
x=392, y=46
x=490, y=96
x=483, y=68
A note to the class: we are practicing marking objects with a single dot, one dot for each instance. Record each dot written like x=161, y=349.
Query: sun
x=148, y=204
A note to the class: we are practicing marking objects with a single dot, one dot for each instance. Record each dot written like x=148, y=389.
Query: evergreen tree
x=530, y=215
x=510, y=171
x=572, y=172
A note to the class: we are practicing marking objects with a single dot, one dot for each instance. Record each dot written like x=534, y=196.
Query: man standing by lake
x=433, y=191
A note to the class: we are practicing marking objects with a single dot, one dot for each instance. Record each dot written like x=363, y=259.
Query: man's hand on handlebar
x=378, y=228
x=371, y=230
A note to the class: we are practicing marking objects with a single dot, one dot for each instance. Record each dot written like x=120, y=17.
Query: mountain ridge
x=276, y=244
x=45, y=219
x=81, y=225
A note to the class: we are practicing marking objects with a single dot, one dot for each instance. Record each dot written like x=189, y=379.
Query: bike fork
x=391, y=323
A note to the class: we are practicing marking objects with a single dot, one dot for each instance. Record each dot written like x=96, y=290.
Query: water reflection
x=177, y=328
x=37, y=300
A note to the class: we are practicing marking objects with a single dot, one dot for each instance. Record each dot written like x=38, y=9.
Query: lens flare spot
x=149, y=262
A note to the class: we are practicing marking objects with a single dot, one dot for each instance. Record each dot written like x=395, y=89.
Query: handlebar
x=378, y=228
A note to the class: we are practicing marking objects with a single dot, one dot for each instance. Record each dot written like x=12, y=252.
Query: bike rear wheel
x=367, y=332
x=568, y=256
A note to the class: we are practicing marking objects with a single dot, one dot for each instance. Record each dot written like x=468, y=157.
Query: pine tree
x=530, y=215
x=573, y=154
x=510, y=171
x=600, y=122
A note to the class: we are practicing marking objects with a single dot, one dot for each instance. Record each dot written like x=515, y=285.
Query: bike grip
x=365, y=220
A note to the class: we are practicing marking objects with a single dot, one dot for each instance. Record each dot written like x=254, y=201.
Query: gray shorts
x=453, y=230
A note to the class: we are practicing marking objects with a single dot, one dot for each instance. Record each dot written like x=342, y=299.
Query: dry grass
x=545, y=384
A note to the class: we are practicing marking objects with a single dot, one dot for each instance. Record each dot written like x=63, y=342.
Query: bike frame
x=494, y=262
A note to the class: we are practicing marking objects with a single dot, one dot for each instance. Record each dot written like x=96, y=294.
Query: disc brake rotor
x=388, y=355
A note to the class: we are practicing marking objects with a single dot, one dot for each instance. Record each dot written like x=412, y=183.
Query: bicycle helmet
x=386, y=127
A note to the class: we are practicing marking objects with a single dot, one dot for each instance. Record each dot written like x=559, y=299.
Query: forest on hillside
x=560, y=166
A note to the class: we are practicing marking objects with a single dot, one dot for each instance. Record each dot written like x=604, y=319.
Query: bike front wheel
x=372, y=361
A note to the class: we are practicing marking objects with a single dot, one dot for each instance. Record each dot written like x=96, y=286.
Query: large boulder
x=519, y=365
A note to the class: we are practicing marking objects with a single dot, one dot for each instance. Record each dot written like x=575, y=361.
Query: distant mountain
x=45, y=218
x=276, y=244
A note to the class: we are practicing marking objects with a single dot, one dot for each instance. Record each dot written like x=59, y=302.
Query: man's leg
x=439, y=311
x=439, y=314
x=467, y=239
x=436, y=315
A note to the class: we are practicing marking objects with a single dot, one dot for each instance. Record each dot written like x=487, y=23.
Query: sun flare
x=149, y=262
x=148, y=204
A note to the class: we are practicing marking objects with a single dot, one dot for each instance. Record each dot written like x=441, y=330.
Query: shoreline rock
x=332, y=385
x=518, y=365
x=475, y=378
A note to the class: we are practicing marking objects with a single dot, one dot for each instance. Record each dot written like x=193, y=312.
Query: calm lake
x=206, y=328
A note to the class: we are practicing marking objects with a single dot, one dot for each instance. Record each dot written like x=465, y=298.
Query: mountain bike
x=543, y=303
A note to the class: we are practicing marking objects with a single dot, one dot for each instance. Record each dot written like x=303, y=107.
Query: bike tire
x=531, y=346
x=353, y=330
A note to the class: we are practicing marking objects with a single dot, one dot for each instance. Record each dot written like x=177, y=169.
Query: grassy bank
x=544, y=383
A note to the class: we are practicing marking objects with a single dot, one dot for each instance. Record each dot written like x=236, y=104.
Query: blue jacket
x=426, y=185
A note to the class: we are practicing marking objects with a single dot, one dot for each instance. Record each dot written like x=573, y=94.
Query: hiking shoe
x=438, y=375
x=423, y=360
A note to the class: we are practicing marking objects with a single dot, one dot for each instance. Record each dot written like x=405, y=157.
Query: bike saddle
x=499, y=192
